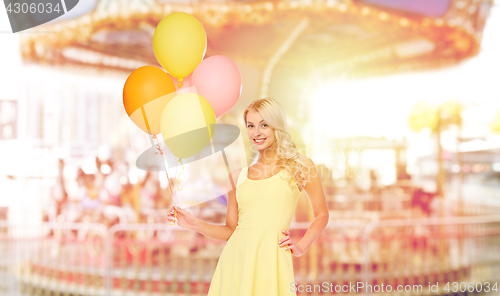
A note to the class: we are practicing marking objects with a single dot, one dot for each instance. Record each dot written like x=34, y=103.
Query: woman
x=257, y=258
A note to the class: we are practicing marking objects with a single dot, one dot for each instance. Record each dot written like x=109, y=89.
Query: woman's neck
x=267, y=156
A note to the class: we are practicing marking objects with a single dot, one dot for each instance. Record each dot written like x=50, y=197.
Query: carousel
x=280, y=45
x=331, y=38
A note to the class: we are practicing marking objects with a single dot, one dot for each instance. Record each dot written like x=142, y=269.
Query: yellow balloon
x=179, y=43
x=187, y=124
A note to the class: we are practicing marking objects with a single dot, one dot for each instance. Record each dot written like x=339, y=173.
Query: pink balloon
x=186, y=81
x=218, y=79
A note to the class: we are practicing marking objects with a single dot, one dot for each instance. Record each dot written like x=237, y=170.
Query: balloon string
x=179, y=85
x=160, y=151
x=177, y=181
x=174, y=222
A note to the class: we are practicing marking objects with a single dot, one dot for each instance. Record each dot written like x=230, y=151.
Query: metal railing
x=426, y=252
x=156, y=259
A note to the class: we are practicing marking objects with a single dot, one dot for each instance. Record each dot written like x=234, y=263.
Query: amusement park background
x=397, y=103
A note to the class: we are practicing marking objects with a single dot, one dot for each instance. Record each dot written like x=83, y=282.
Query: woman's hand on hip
x=287, y=241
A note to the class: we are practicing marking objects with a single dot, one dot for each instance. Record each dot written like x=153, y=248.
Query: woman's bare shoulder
x=308, y=162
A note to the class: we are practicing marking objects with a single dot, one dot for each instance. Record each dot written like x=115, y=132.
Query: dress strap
x=242, y=176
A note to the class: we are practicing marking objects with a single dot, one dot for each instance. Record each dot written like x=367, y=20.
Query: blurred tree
x=495, y=124
x=437, y=119
x=451, y=114
x=423, y=115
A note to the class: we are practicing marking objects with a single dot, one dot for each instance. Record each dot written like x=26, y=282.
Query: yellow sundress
x=252, y=262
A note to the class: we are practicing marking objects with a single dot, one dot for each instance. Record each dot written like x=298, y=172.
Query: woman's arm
x=314, y=191
x=221, y=232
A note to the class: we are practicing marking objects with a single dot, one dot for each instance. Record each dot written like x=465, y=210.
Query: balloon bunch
x=186, y=120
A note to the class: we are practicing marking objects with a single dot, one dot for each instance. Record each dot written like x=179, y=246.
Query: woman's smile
x=259, y=141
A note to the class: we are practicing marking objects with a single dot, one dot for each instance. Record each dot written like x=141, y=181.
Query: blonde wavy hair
x=289, y=159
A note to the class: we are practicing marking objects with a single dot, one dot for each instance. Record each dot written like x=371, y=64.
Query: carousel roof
x=353, y=38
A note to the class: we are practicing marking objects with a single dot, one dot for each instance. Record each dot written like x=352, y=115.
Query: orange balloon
x=145, y=94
